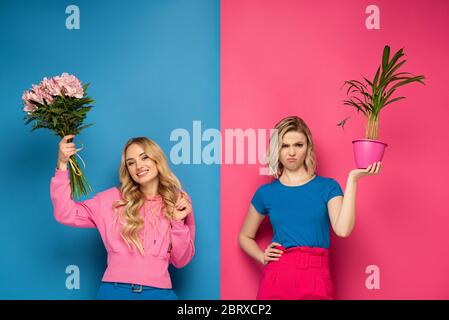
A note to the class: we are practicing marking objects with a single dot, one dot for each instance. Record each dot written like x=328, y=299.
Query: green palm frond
x=372, y=96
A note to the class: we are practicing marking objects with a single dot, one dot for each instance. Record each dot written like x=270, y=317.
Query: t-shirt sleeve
x=258, y=203
x=334, y=190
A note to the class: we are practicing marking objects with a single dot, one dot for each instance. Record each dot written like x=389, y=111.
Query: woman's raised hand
x=66, y=149
x=183, y=207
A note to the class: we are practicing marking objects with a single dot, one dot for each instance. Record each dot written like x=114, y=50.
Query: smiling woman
x=139, y=164
x=146, y=223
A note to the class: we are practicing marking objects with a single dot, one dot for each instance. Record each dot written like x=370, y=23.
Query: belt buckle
x=138, y=289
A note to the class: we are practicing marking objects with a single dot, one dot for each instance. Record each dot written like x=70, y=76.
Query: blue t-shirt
x=298, y=214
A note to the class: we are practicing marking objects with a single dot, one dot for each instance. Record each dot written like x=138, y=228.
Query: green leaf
x=85, y=87
x=393, y=100
x=343, y=122
x=389, y=75
x=402, y=73
x=376, y=77
x=397, y=55
x=85, y=126
x=353, y=104
x=387, y=71
x=360, y=102
x=409, y=80
x=350, y=85
x=362, y=85
x=56, y=110
x=367, y=81
x=385, y=57
x=28, y=121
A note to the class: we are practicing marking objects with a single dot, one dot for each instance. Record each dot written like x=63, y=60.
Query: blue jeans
x=126, y=291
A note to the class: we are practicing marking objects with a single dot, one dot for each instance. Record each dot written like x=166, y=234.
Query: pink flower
x=26, y=97
x=70, y=85
x=65, y=84
x=38, y=94
x=42, y=94
x=50, y=86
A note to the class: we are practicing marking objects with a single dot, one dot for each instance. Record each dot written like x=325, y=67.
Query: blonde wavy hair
x=292, y=123
x=133, y=199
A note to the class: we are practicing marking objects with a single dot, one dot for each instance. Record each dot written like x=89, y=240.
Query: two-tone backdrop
x=226, y=71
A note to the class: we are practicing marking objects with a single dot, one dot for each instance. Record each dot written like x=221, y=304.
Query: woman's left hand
x=372, y=169
x=182, y=208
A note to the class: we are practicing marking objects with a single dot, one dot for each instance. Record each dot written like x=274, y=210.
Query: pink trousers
x=302, y=273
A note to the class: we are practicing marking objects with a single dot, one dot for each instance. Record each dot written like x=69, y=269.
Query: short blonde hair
x=292, y=123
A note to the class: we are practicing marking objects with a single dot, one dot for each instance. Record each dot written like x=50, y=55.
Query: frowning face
x=293, y=150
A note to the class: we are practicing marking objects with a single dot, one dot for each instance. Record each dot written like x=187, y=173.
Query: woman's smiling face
x=141, y=167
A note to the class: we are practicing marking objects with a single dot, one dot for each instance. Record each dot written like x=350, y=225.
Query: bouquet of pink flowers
x=61, y=105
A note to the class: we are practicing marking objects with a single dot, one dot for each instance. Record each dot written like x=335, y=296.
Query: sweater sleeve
x=65, y=209
x=182, y=240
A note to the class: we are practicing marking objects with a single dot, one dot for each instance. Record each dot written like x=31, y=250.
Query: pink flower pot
x=367, y=151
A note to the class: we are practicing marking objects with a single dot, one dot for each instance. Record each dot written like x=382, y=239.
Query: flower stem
x=78, y=181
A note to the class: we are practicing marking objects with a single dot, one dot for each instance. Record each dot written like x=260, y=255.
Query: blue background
x=153, y=67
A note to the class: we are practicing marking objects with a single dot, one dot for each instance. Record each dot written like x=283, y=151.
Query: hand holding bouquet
x=61, y=105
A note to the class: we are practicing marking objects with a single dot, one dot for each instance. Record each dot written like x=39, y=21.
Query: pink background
x=280, y=58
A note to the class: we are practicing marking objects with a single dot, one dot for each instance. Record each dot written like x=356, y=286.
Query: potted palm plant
x=370, y=97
